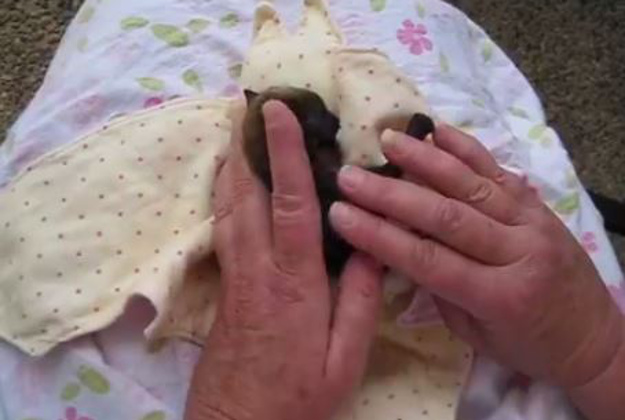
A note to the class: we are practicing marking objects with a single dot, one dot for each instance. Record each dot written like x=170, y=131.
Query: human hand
x=508, y=276
x=277, y=349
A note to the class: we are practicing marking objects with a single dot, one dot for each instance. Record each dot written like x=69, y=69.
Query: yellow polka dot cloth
x=362, y=87
x=125, y=213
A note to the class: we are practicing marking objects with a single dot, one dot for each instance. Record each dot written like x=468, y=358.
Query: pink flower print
x=415, y=37
x=589, y=242
x=89, y=110
x=153, y=101
x=72, y=414
x=31, y=381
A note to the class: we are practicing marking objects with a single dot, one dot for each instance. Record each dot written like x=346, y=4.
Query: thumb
x=355, y=323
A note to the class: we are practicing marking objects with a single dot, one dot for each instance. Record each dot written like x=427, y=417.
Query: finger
x=439, y=269
x=450, y=176
x=519, y=187
x=447, y=220
x=460, y=322
x=356, y=317
x=469, y=150
x=249, y=199
x=296, y=217
x=222, y=216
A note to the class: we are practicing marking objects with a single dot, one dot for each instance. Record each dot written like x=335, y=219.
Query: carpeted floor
x=570, y=49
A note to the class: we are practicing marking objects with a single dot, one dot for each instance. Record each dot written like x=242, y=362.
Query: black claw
x=420, y=126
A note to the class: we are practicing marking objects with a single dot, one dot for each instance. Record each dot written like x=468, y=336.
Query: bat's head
x=319, y=125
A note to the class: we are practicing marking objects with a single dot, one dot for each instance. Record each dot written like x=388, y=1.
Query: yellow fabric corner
x=362, y=87
x=122, y=212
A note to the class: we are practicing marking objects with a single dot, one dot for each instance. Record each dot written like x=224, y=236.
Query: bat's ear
x=250, y=95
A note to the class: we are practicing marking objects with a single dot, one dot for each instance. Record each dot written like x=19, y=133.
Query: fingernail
x=272, y=106
x=390, y=139
x=351, y=177
x=342, y=215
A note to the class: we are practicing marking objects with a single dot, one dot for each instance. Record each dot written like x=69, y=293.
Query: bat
x=320, y=128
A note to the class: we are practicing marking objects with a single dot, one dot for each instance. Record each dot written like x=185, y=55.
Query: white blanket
x=118, y=57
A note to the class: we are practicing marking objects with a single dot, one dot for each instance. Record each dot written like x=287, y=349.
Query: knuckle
x=222, y=211
x=480, y=193
x=241, y=188
x=542, y=261
x=423, y=254
x=285, y=292
x=289, y=264
x=448, y=216
x=291, y=206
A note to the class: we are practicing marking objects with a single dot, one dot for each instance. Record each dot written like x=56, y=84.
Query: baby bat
x=320, y=128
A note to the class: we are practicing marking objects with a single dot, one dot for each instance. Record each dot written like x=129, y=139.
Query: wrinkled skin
x=507, y=275
x=278, y=349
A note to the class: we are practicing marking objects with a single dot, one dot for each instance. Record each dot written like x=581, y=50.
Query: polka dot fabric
x=372, y=95
x=417, y=377
x=362, y=87
x=123, y=212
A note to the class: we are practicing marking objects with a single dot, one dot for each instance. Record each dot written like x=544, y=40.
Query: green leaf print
x=537, y=131
x=235, y=71
x=546, y=141
x=444, y=62
x=519, y=113
x=191, y=78
x=86, y=14
x=93, y=380
x=198, y=25
x=487, y=52
x=478, y=103
x=229, y=21
x=571, y=179
x=70, y=392
x=466, y=125
x=173, y=36
x=134, y=22
x=567, y=205
x=83, y=44
x=151, y=83
x=154, y=415
x=420, y=10
x=378, y=5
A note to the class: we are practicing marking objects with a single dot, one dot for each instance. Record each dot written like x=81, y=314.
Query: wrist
x=603, y=397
